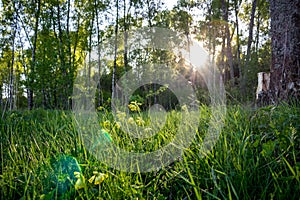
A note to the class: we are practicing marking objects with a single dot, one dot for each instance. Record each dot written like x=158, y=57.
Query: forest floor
x=256, y=156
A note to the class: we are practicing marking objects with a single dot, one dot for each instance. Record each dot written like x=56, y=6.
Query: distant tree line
x=44, y=44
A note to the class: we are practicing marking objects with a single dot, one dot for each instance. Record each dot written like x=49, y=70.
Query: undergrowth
x=257, y=156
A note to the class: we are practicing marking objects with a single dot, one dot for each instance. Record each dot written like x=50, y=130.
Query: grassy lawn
x=257, y=156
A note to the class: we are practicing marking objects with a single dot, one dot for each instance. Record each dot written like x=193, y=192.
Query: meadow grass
x=257, y=156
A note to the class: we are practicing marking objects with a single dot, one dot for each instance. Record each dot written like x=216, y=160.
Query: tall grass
x=257, y=156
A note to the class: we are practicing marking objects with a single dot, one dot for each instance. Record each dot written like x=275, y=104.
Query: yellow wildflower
x=106, y=124
x=118, y=125
x=134, y=106
x=98, y=178
x=140, y=121
x=80, y=183
x=184, y=108
x=130, y=120
x=121, y=115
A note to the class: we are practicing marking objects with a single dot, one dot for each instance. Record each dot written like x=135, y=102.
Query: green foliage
x=67, y=31
x=256, y=157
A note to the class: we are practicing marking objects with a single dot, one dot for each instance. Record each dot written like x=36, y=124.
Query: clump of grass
x=257, y=156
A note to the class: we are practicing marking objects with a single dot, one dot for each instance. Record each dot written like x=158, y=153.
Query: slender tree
x=33, y=56
x=228, y=49
x=99, y=41
x=248, y=54
x=11, y=65
x=115, y=51
x=238, y=48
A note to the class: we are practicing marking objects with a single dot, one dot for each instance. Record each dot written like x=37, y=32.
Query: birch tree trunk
x=285, y=66
x=11, y=71
x=1, y=106
x=115, y=53
x=32, y=68
x=99, y=41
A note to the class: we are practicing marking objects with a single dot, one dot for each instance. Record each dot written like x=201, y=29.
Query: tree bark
x=126, y=27
x=70, y=74
x=285, y=66
x=238, y=51
x=11, y=71
x=90, y=50
x=228, y=40
x=99, y=41
x=32, y=69
x=125, y=55
x=63, y=67
x=1, y=101
x=11, y=65
x=115, y=52
x=250, y=39
x=258, y=21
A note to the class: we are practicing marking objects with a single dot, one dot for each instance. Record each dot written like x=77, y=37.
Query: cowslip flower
x=140, y=121
x=184, y=108
x=106, y=124
x=134, y=106
x=80, y=183
x=121, y=115
x=98, y=178
x=131, y=120
x=118, y=125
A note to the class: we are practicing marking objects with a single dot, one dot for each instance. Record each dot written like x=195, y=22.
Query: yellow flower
x=106, y=124
x=121, y=115
x=134, y=106
x=100, y=108
x=184, y=108
x=118, y=125
x=148, y=129
x=140, y=121
x=130, y=120
x=80, y=183
x=77, y=174
x=98, y=178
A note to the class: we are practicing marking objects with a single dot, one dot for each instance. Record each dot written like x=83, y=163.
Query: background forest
x=44, y=43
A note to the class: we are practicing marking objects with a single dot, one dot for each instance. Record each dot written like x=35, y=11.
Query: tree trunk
x=73, y=54
x=55, y=86
x=257, y=31
x=250, y=39
x=125, y=17
x=126, y=28
x=222, y=62
x=70, y=75
x=238, y=51
x=63, y=67
x=285, y=67
x=11, y=74
x=99, y=41
x=11, y=65
x=115, y=53
x=32, y=69
x=1, y=106
x=90, y=48
x=228, y=40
